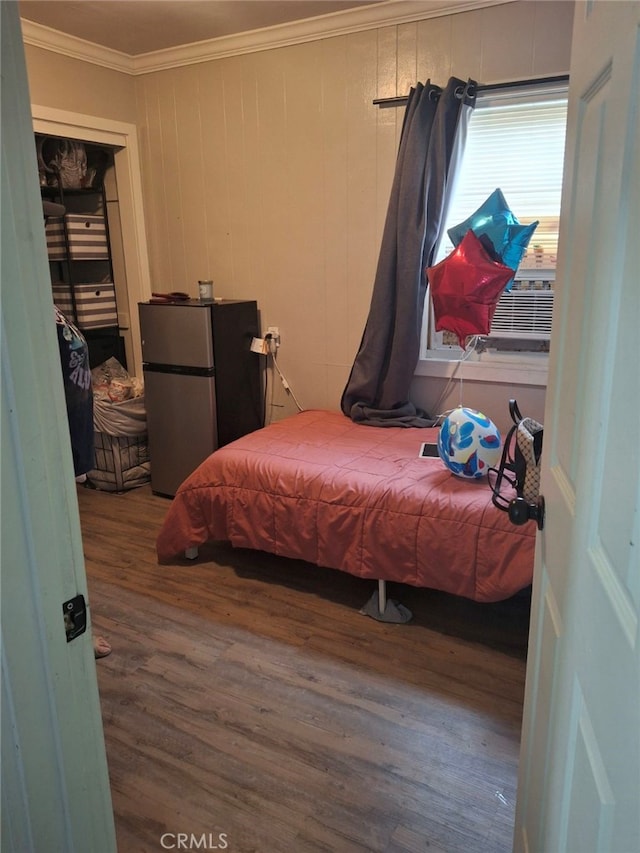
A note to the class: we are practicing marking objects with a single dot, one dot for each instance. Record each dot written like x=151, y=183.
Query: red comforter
x=321, y=488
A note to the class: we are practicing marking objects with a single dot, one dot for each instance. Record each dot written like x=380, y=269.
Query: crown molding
x=388, y=13
x=385, y=14
x=46, y=38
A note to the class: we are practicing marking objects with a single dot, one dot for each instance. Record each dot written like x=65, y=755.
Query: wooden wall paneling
x=466, y=45
x=153, y=180
x=274, y=192
x=305, y=236
x=215, y=178
x=361, y=200
x=175, y=234
x=434, y=50
x=189, y=175
x=252, y=175
x=392, y=75
x=335, y=202
x=406, y=71
x=66, y=83
x=234, y=165
x=291, y=197
x=241, y=109
x=552, y=32
x=310, y=372
x=280, y=296
x=510, y=57
x=388, y=121
x=387, y=84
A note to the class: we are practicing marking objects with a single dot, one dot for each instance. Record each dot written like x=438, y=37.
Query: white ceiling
x=135, y=27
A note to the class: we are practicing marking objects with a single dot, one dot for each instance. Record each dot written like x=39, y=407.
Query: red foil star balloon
x=465, y=288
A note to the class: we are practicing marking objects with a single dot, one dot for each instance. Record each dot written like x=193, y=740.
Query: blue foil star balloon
x=499, y=231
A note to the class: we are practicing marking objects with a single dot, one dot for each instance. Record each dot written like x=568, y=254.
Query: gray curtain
x=434, y=123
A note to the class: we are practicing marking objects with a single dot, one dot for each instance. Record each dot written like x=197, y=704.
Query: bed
x=320, y=488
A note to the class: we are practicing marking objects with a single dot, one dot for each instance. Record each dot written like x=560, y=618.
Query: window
x=515, y=141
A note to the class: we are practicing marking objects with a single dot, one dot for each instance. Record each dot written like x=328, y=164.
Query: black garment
x=74, y=358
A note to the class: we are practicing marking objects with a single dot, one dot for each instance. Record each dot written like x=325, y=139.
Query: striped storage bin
x=95, y=304
x=87, y=235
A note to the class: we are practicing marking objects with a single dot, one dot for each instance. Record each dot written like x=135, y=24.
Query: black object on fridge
x=201, y=382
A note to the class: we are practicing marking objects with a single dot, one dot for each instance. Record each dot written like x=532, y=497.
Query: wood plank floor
x=246, y=696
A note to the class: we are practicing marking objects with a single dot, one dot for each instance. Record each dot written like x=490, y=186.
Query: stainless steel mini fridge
x=201, y=382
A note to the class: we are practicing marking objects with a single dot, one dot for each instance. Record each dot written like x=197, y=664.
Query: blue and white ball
x=469, y=443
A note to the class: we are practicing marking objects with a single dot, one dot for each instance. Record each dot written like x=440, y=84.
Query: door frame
x=123, y=137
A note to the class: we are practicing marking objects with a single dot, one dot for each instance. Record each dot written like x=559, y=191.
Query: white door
x=55, y=785
x=579, y=786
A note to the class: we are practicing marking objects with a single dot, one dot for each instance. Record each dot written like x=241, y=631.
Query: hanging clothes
x=76, y=374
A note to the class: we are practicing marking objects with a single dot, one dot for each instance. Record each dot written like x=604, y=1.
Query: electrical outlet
x=274, y=331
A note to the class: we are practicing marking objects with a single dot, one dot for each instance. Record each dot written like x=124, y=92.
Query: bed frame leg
x=191, y=553
x=382, y=597
x=384, y=609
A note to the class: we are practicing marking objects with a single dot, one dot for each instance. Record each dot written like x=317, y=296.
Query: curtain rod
x=491, y=87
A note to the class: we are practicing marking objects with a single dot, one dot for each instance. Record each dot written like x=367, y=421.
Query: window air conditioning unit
x=523, y=314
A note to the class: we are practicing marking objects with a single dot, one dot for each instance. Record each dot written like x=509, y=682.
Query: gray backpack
x=520, y=467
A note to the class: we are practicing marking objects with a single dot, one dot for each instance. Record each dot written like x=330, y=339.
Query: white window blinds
x=516, y=143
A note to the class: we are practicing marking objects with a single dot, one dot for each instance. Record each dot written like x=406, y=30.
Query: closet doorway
x=122, y=138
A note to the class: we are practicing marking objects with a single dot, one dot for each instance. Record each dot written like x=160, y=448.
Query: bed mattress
x=319, y=487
